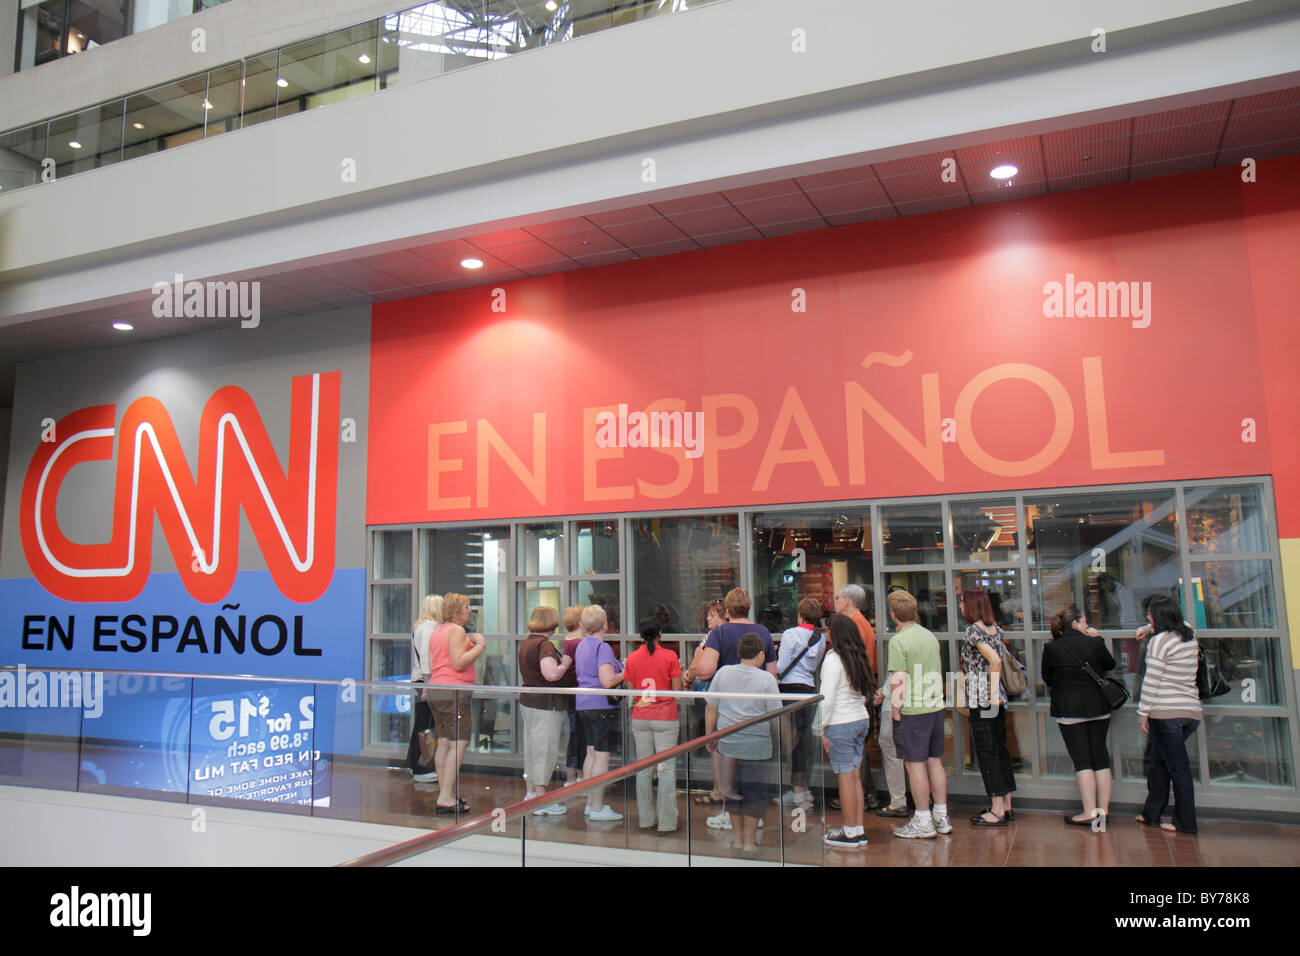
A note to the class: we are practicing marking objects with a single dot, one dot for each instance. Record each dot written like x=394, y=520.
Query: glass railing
x=664, y=798
x=397, y=49
x=295, y=746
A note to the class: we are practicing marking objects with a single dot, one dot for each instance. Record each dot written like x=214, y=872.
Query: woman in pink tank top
x=452, y=654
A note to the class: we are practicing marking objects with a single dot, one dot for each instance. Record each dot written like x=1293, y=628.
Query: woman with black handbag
x=1073, y=664
x=1170, y=711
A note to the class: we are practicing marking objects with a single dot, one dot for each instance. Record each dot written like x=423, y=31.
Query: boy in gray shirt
x=744, y=754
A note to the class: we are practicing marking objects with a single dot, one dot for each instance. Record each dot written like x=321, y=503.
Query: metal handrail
x=432, y=841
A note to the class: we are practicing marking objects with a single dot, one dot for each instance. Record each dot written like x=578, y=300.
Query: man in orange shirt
x=851, y=602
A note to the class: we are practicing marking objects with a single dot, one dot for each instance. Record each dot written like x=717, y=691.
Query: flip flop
x=706, y=800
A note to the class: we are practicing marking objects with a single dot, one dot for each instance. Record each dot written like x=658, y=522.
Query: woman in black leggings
x=1082, y=713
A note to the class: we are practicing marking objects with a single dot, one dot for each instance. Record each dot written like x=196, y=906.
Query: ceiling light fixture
x=74, y=144
x=281, y=81
x=1005, y=171
x=123, y=326
x=364, y=58
x=207, y=105
x=471, y=263
x=552, y=6
x=137, y=125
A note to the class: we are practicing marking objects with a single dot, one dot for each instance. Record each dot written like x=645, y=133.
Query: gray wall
x=183, y=372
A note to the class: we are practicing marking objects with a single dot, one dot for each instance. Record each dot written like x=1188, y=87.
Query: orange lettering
x=1094, y=390
x=534, y=481
x=592, y=454
x=712, y=442
x=794, y=412
x=1062, y=428
x=685, y=467
x=929, y=455
x=437, y=465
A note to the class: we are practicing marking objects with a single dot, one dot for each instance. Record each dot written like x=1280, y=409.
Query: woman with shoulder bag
x=1081, y=709
x=1170, y=711
x=543, y=715
x=981, y=665
x=421, y=754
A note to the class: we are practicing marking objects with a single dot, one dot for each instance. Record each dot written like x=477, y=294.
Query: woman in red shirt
x=654, y=725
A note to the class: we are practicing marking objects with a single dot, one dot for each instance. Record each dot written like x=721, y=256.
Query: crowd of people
x=741, y=672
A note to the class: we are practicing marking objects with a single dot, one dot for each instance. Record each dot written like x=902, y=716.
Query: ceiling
x=1158, y=144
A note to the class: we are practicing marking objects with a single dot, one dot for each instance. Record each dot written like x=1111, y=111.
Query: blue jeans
x=1168, y=764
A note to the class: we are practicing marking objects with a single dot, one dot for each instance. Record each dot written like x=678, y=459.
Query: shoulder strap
x=1082, y=663
x=817, y=636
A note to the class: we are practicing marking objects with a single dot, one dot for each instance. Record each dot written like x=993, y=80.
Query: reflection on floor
x=381, y=795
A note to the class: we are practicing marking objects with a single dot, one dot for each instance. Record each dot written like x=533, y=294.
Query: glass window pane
x=94, y=24
x=912, y=534
x=1251, y=665
x=931, y=597
x=1004, y=588
x=541, y=549
x=473, y=562
x=1249, y=751
x=43, y=26
x=1226, y=520
x=493, y=714
x=166, y=116
x=984, y=531
x=392, y=555
x=609, y=595
x=1104, y=552
x=1233, y=594
x=86, y=140
x=596, y=547
x=390, y=720
x=809, y=554
x=683, y=563
x=328, y=69
x=260, y=89
x=390, y=606
x=225, y=88
x=1128, y=747
x=21, y=152
x=534, y=594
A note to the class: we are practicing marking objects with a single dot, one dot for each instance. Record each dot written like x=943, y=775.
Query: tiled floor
x=1037, y=838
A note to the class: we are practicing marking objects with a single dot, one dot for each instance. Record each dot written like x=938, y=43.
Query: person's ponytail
x=1063, y=620
x=650, y=631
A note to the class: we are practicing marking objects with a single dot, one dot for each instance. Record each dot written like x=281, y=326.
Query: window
x=809, y=554
x=681, y=564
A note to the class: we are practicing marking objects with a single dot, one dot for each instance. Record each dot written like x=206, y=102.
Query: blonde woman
x=452, y=653
x=417, y=756
x=542, y=665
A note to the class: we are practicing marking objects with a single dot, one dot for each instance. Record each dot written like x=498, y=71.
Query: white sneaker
x=605, y=813
x=719, y=821
x=430, y=777
x=917, y=828
x=530, y=794
x=941, y=823
x=793, y=797
x=551, y=810
x=586, y=811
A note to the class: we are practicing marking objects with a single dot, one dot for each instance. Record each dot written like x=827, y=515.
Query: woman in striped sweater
x=1170, y=710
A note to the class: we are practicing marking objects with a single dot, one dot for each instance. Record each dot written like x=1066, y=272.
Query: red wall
x=972, y=388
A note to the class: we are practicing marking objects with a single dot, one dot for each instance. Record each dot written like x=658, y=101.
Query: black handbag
x=1115, y=693
x=1209, y=685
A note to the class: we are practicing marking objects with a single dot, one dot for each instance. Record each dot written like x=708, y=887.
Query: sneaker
x=941, y=823
x=719, y=821
x=586, y=811
x=551, y=810
x=837, y=837
x=530, y=794
x=793, y=797
x=605, y=813
x=430, y=777
x=917, y=829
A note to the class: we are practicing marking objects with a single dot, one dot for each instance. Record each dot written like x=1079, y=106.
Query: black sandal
x=460, y=806
x=979, y=821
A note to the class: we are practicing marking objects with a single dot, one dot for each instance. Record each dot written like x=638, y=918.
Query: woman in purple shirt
x=597, y=667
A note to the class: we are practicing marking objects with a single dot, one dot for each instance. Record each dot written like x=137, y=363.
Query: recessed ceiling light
x=471, y=263
x=551, y=5
x=137, y=125
x=74, y=144
x=281, y=81
x=364, y=58
x=207, y=105
x=123, y=326
x=1005, y=171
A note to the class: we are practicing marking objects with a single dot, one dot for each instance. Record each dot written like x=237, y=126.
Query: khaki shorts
x=451, y=717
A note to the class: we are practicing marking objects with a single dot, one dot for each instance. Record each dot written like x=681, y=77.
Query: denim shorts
x=846, y=744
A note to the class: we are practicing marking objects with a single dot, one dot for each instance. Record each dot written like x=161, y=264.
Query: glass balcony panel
x=86, y=140
x=166, y=116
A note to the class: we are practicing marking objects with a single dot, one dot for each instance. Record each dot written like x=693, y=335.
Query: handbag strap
x=817, y=636
x=1082, y=663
